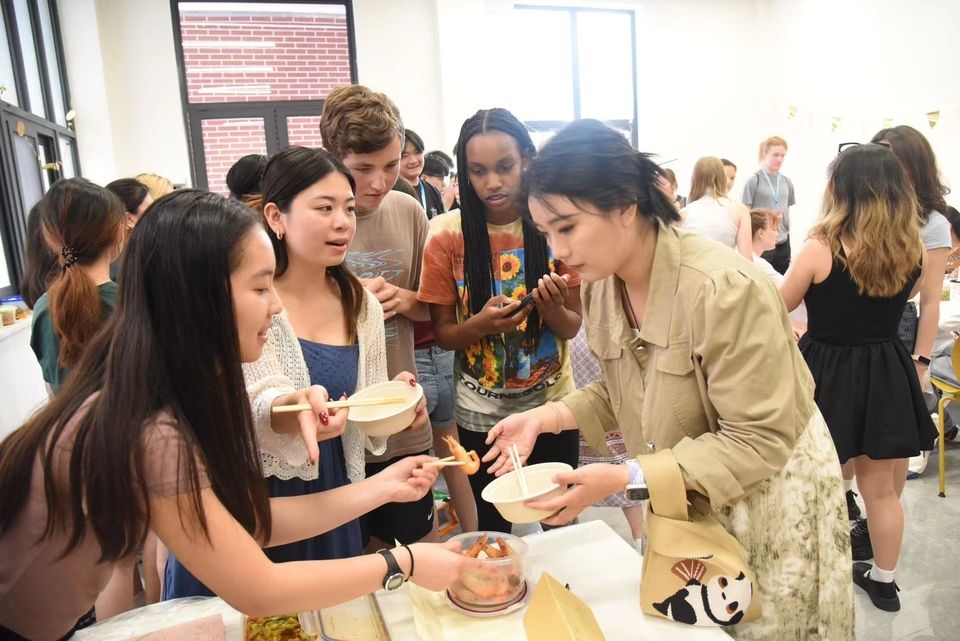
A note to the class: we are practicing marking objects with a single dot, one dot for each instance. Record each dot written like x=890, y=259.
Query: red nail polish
x=413, y=383
x=324, y=418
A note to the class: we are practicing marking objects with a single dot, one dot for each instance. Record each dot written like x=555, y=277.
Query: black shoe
x=883, y=595
x=853, y=510
x=860, y=541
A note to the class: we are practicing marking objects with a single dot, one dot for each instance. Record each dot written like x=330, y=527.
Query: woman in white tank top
x=713, y=215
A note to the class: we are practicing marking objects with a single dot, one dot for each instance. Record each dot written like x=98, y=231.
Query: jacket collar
x=664, y=280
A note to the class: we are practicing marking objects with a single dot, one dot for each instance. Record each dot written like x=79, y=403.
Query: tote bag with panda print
x=694, y=571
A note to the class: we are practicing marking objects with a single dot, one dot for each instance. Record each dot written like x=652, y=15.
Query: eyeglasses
x=849, y=145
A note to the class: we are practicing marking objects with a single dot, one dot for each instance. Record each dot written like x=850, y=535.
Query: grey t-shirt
x=761, y=193
x=936, y=231
x=389, y=243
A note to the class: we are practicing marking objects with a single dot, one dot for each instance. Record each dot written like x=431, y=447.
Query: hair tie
x=69, y=256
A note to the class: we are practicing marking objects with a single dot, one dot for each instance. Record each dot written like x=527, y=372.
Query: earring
x=280, y=235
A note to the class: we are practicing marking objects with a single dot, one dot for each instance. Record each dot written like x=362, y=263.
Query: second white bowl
x=505, y=495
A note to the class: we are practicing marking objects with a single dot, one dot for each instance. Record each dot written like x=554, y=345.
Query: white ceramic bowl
x=505, y=495
x=390, y=418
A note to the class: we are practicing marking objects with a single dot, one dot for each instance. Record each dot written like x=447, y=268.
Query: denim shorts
x=435, y=374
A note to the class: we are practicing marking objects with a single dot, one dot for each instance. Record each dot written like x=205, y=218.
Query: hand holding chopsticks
x=518, y=466
x=333, y=405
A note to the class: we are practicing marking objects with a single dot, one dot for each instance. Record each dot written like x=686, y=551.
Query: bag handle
x=668, y=495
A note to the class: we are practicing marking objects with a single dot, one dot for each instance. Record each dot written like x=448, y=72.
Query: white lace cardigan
x=281, y=369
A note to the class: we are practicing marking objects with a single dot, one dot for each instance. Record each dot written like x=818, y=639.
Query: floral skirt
x=795, y=532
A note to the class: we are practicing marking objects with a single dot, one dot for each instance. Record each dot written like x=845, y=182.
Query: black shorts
x=405, y=522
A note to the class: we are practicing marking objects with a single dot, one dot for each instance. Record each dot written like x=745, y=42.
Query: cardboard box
x=557, y=614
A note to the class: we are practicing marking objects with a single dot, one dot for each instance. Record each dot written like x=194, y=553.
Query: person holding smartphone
x=480, y=264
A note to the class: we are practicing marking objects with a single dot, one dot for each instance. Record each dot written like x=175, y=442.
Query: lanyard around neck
x=423, y=193
x=775, y=192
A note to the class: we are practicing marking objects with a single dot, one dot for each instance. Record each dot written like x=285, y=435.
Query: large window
x=37, y=142
x=580, y=64
x=254, y=76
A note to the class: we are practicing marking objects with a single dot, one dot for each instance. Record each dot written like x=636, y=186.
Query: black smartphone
x=524, y=302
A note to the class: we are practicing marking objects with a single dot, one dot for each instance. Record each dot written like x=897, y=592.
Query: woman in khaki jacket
x=697, y=355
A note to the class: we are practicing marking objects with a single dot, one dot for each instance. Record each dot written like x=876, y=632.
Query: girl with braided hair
x=480, y=262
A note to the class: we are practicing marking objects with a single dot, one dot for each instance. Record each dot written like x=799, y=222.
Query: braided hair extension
x=477, y=261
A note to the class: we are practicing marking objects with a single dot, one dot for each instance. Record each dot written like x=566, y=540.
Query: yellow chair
x=949, y=393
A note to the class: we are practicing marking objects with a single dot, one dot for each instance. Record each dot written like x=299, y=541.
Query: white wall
x=398, y=54
x=143, y=88
x=88, y=93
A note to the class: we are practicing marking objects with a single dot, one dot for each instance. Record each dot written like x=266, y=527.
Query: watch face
x=394, y=581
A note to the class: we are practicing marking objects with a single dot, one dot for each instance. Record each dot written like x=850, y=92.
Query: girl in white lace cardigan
x=281, y=370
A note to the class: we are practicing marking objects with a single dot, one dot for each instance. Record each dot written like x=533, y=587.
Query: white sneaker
x=917, y=465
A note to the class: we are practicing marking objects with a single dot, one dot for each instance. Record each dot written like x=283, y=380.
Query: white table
x=601, y=568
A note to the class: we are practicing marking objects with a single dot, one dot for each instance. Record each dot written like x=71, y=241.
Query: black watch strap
x=394, y=578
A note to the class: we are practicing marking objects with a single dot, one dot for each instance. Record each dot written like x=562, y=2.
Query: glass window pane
x=68, y=168
x=542, y=69
x=225, y=140
x=263, y=51
x=31, y=65
x=6, y=67
x=4, y=273
x=605, y=52
x=304, y=131
x=29, y=175
x=53, y=63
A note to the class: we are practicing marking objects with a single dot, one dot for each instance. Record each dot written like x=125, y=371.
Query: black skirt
x=870, y=397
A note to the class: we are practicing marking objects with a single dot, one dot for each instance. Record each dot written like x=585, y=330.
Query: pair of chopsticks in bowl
x=360, y=402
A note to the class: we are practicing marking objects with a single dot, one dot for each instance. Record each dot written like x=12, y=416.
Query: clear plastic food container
x=499, y=581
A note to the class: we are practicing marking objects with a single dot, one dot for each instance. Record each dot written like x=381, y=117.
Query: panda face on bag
x=728, y=598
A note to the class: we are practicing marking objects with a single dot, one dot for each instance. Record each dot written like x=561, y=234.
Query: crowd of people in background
x=168, y=324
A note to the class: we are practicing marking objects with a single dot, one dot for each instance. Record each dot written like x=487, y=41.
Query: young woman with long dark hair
x=479, y=264
x=82, y=225
x=154, y=430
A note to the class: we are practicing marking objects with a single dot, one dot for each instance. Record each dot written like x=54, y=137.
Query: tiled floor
x=928, y=572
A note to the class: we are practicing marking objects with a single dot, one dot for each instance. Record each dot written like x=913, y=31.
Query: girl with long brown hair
x=855, y=273
x=916, y=155
x=82, y=225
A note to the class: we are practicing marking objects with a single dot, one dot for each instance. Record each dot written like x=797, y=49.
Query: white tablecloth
x=601, y=568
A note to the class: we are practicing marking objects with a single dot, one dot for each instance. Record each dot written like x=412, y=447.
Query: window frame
x=13, y=212
x=575, y=66
x=273, y=112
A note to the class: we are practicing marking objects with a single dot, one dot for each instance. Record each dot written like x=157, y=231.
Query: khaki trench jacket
x=714, y=374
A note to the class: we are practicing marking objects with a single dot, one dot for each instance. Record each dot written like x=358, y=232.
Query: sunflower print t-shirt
x=502, y=373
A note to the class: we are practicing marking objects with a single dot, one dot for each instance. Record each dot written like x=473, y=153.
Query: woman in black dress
x=855, y=273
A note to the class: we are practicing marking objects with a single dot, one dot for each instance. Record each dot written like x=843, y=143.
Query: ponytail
x=80, y=221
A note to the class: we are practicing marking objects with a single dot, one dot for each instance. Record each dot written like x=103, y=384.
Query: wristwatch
x=636, y=489
x=393, y=579
x=923, y=360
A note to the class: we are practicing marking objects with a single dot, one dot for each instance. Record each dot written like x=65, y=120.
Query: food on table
x=498, y=581
x=280, y=628
x=470, y=460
